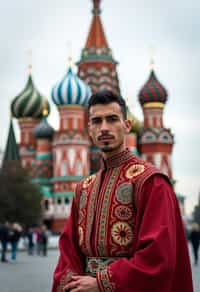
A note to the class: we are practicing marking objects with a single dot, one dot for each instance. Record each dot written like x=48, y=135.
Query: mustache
x=105, y=136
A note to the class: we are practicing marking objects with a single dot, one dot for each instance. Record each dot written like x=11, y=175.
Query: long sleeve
x=70, y=261
x=152, y=266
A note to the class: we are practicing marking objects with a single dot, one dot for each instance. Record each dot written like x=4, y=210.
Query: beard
x=106, y=148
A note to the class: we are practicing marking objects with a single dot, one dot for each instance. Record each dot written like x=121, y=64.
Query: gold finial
x=45, y=112
x=152, y=57
x=69, y=61
x=96, y=7
x=69, y=53
x=29, y=57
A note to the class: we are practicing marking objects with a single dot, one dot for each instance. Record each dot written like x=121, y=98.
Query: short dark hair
x=106, y=97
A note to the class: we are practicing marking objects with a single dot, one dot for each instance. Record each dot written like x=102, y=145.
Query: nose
x=104, y=125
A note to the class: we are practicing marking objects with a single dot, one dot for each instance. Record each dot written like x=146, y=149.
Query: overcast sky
x=132, y=27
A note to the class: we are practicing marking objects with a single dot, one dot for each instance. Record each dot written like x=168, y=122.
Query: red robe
x=125, y=229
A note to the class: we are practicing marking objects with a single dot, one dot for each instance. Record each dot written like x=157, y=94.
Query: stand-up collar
x=117, y=159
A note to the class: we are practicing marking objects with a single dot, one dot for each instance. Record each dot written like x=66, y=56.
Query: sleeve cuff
x=104, y=281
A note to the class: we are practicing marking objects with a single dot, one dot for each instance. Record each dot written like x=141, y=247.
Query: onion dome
x=70, y=90
x=152, y=91
x=29, y=103
x=43, y=130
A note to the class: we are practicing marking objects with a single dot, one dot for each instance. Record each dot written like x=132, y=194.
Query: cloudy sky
x=132, y=28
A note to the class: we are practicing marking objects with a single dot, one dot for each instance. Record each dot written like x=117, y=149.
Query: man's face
x=107, y=127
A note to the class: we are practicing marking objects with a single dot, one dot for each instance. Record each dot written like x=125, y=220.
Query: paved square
x=34, y=273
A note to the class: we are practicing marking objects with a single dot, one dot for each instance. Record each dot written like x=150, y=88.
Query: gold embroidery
x=122, y=233
x=88, y=181
x=104, y=281
x=104, y=214
x=80, y=234
x=90, y=216
x=83, y=199
x=134, y=170
x=97, y=264
x=124, y=193
x=123, y=212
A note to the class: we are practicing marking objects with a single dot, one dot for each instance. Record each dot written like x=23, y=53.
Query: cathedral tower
x=71, y=142
x=97, y=65
x=28, y=108
x=43, y=165
x=155, y=141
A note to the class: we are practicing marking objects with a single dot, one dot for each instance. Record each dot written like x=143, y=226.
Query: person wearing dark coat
x=4, y=237
x=195, y=241
x=44, y=240
x=30, y=235
x=15, y=233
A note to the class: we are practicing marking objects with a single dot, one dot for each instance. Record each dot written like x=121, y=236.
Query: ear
x=128, y=126
x=89, y=130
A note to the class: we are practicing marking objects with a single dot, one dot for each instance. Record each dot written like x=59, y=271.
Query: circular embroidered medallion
x=134, y=170
x=83, y=198
x=123, y=212
x=80, y=234
x=122, y=233
x=88, y=181
x=124, y=193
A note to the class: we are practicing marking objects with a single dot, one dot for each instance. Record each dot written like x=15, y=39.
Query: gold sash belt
x=96, y=264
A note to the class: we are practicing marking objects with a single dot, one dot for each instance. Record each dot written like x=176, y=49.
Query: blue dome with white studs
x=70, y=90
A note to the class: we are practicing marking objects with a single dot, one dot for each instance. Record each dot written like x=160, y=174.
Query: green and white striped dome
x=29, y=103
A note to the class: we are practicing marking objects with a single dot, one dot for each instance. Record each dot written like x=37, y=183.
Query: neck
x=109, y=154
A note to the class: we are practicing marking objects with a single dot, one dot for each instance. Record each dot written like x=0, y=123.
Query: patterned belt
x=96, y=264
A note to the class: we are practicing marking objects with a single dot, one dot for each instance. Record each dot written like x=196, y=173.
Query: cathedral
x=59, y=159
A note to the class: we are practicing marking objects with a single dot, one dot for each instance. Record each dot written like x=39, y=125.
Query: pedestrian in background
x=38, y=233
x=14, y=236
x=44, y=239
x=195, y=241
x=30, y=238
x=4, y=234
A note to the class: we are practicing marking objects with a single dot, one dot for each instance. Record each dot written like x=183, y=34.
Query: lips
x=105, y=137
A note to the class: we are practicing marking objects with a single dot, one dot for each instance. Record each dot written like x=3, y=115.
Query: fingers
x=75, y=278
x=71, y=286
x=76, y=290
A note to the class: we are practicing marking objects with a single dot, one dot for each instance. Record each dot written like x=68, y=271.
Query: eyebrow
x=104, y=116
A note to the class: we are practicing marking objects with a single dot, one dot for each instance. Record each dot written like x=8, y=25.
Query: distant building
x=59, y=159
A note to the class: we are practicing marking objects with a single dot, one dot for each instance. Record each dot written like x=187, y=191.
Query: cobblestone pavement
x=195, y=273
x=28, y=274
x=34, y=273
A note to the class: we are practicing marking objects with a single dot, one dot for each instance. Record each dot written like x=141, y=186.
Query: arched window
x=165, y=137
x=59, y=201
x=67, y=201
x=64, y=168
x=46, y=205
x=79, y=168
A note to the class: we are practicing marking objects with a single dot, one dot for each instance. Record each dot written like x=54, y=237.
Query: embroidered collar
x=117, y=159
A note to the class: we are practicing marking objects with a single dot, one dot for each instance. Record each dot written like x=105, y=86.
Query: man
x=4, y=238
x=125, y=232
x=195, y=241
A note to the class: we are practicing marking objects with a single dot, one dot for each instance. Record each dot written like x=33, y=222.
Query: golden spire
x=152, y=57
x=45, y=112
x=69, y=53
